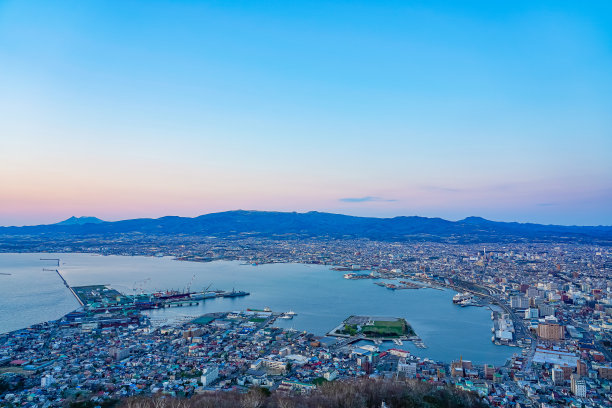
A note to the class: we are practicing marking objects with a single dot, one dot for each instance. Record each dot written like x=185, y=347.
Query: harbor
x=104, y=297
x=320, y=297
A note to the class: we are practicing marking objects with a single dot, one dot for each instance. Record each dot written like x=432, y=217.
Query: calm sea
x=322, y=298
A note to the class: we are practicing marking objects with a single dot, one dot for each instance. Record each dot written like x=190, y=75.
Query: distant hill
x=80, y=221
x=291, y=225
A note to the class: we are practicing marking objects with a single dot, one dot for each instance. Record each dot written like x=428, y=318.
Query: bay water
x=321, y=297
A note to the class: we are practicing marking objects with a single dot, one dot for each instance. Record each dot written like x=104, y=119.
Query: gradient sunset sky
x=123, y=109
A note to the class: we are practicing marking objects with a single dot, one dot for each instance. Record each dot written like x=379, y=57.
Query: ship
x=461, y=298
x=468, y=302
x=172, y=295
x=288, y=315
x=203, y=295
x=265, y=309
x=235, y=293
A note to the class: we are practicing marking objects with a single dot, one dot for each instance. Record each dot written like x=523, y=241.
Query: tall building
x=519, y=302
x=489, y=371
x=578, y=386
x=581, y=368
x=557, y=376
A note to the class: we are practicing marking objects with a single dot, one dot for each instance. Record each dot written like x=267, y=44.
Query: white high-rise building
x=209, y=375
x=46, y=381
x=578, y=386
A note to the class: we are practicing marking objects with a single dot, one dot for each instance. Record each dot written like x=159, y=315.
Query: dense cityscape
x=305, y=204
x=552, y=301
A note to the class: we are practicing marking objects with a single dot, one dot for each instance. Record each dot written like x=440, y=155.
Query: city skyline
x=184, y=108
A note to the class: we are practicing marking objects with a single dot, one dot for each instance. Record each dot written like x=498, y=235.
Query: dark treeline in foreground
x=359, y=393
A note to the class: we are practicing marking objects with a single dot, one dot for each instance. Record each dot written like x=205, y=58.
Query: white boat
x=462, y=297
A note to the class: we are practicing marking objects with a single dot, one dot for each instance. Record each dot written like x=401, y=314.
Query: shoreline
x=440, y=354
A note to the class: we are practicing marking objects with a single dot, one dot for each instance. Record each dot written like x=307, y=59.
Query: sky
x=433, y=108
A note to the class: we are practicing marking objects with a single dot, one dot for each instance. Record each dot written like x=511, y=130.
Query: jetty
x=65, y=283
x=181, y=303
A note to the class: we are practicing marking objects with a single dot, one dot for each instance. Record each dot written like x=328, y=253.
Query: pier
x=182, y=303
x=51, y=259
x=64, y=281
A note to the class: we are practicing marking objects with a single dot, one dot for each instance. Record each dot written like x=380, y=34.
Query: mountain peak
x=474, y=220
x=80, y=221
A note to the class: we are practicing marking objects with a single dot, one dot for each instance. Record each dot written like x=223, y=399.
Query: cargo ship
x=172, y=294
x=265, y=309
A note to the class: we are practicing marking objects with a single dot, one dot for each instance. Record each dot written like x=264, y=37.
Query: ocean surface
x=321, y=297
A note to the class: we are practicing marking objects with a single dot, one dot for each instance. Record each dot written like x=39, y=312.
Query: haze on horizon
x=130, y=110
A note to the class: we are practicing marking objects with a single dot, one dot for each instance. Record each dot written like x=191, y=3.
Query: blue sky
x=134, y=109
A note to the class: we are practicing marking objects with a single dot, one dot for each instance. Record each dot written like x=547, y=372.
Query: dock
x=181, y=303
x=65, y=283
x=418, y=343
x=51, y=259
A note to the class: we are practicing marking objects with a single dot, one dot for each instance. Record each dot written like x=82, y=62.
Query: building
x=533, y=292
x=46, y=381
x=209, y=375
x=489, y=371
x=605, y=372
x=581, y=368
x=546, y=310
x=274, y=365
x=409, y=369
x=399, y=352
x=330, y=375
x=567, y=371
x=557, y=376
x=578, y=386
x=458, y=368
x=519, y=302
x=119, y=353
x=551, y=331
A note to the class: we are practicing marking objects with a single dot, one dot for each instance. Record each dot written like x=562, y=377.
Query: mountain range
x=291, y=225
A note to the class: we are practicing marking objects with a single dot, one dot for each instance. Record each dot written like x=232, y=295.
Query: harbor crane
x=190, y=283
x=139, y=285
